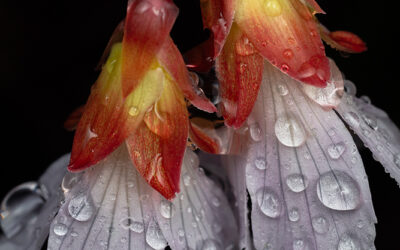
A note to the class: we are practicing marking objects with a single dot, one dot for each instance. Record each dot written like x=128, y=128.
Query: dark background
x=52, y=47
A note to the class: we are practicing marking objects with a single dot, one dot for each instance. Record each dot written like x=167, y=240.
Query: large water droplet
x=288, y=54
x=336, y=150
x=69, y=180
x=320, y=224
x=255, y=132
x=167, y=209
x=348, y=242
x=129, y=224
x=297, y=182
x=273, y=8
x=60, y=229
x=285, y=68
x=302, y=245
x=370, y=121
x=294, y=214
x=210, y=244
x=352, y=119
x=186, y=179
x=133, y=111
x=154, y=236
x=338, y=191
x=244, y=47
x=289, y=131
x=282, y=89
x=80, y=208
x=268, y=202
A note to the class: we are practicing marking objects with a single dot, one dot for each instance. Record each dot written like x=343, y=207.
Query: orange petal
x=73, y=119
x=199, y=136
x=171, y=59
x=157, y=155
x=315, y=7
x=343, y=40
x=147, y=26
x=285, y=33
x=218, y=17
x=239, y=70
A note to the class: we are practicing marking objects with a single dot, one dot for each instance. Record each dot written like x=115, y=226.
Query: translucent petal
x=375, y=129
x=313, y=195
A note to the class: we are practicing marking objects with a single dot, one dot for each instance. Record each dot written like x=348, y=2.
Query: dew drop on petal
x=396, y=160
x=268, y=202
x=167, y=209
x=282, y=89
x=294, y=215
x=69, y=180
x=370, y=121
x=352, y=119
x=154, y=236
x=80, y=208
x=60, y=229
x=285, y=68
x=320, y=224
x=338, y=191
x=273, y=8
x=336, y=150
x=288, y=54
x=350, y=87
x=133, y=111
x=210, y=244
x=260, y=163
x=255, y=132
x=137, y=227
x=348, y=242
x=297, y=182
x=289, y=131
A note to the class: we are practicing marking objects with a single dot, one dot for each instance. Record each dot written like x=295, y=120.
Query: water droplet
x=255, y=132
x=285, y=68
x=74, y=234
x=133, y=111
x=167, y=209
x=306, y=70
x=60, y=229
x=144, y=197
x=80, y=208
x=282, y=90
x=352, y=119
x=260, y=163
x=336, y=150
x=313, y=33
x=288, y=53
x=370, y=121
x=348, y=242
x=289, y=131
x=268, y=202
x=350, y=87
x=396, y=160
x=244, y=47
x=216, y=202
x=154, y=236
x=307, y=155
x=294, y=215
x=297, y=182
x=243, y=68
x=299, y=245
x=210, y=244
x=130, y=224
x=69, y=180
x=320, y=225
x=338, y=191
x=123, y=239
x=142, y=7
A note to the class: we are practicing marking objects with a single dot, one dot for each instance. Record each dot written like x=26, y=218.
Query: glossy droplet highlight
x=285, y=68
x=60, y=229
x=273, y=8
x=396, y=160
x=290, y=131
x=338, y=191
x=167, y=209
x=297, y=182
x=336, y=150
x=268, y=202
x=130, y=224
x=133, y=111
x=320, y=224
x=348, y=242
x=255, y=132
x=352, y=119
x=282, y=90
x=294, y=215
x=154, y=236
x=210, y=244
x=260, y=163
x=80, y=208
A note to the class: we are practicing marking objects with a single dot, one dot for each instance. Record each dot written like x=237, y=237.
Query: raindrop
x=336, y=150
x=320, y=225
x=352, y=119
x=210, y=244
x=154, y=236
x=167, y=209
x=137, y=227
x=60, y=229
x=307, y=155
x=260, y=163
x=348, y=242
x=396, y=160
x=297, y=182
x=186, y=179
x=338, y=191
x=290, y=131
x=285, y=68
x=371, y=122
x=268, y=202
x=133, y=111
x=216, y=202
x=80, y=208
x=255, y=132
x=74, y=234
x=288, y=54
x=282, y=90
x=294, y=215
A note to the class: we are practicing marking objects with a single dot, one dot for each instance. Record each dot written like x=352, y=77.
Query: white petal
x=308, y=188
x=112, y=207
x=375, y=129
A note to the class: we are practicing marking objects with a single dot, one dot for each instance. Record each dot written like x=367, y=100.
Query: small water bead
x=350, y=87
x=396, y=160
x=370, y=121
x=294, y=215
x=273, y=8
x=255, y=132
x=216, y=202
x=285, y=68
x=210, y=244
x=123, y=239
x=260, y=163
x=307, y=155
x=348, y=242
x=289, y=131
x=74, y=234
x=297, y=182
x=167, y=209
x=338, y=191
x=288, y=54
x=137, y=227
x=186, y=179
x=320, y=224
x=69, y=181
x=133, y=111
x=302, y=245
x=336, y=150
x=268, y=202
x=282, y=89
x=60, y=229
x=80, y=208
x=154, y=236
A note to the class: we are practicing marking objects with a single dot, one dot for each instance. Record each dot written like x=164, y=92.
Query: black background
x=50, y=49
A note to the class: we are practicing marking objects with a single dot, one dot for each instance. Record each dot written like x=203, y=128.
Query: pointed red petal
x=199, y=136
x=285, y=33
x=116, y=37
x=200, y=58
x=171, y=59
x=218, y=17
x=158, y=155
x=239, y=70
x=73, y=119
x=147, y=26
x=343, y=40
